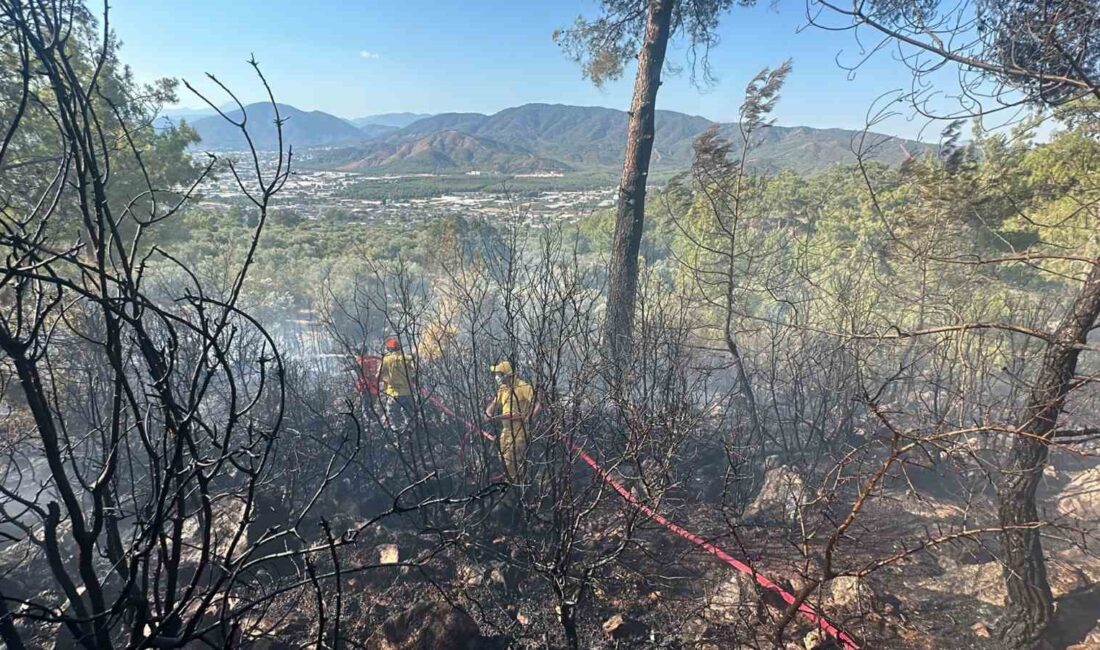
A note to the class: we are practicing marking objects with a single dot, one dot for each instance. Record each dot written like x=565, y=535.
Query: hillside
x=301, y=129
x=593, y=138
x=441, y=151
x=374, y=131
x=578, y=135
x=806, y=150
x=465, y=122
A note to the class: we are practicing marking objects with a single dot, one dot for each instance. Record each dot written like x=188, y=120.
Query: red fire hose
x=807, y=611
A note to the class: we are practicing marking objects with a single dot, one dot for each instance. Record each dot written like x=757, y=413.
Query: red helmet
x=393, y=344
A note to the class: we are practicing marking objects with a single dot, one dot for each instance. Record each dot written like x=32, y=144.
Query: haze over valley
x=560, y=161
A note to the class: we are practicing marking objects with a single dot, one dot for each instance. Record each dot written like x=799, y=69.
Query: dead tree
x=144, y=413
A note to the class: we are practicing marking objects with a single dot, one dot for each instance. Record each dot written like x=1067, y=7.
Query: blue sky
x=354, y=58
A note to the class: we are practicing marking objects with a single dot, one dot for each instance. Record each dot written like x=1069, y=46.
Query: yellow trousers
x=513, y=450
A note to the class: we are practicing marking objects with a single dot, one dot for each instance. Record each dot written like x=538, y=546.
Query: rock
x=498, y=578
x=734, y=601
x=1080, y=498
x=818, y=640
x=694, y=629
x=494, y=574
x=427, y=625
x=1077, y=559
x=779, y=498
x=470, y=575
x=981, y=630
x=983, y=581
x=388, y=554
x=621, y=628
x=848, y=592
x=1065, y=578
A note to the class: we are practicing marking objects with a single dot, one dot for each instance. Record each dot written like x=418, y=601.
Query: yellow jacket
x=398, y=369
x=516, y=398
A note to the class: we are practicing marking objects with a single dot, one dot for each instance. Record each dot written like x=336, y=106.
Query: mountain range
x=396, y=120
x=301, y=129
x=524, y=139
x=445, y=150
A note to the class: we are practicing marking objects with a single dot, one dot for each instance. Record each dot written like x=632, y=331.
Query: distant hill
x=465, y=122
x=579, y=137
x=440, y=151
x=301, y=129
x=375, y=131
x=189, y=114
x=168, y=117
x=807, y=150
x=396, y=120
x=528, y=138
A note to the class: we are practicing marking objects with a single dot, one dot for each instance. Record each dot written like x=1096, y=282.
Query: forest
x=745, y=407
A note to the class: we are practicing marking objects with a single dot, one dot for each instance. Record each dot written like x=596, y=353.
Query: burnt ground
x=683, y=597
x=675, y=595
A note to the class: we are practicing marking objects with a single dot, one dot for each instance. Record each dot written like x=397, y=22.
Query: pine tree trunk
x=630, y=212
x=1030, y=603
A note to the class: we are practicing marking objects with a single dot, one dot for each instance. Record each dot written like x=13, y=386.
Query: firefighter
x=395, y=377
x=515, y=400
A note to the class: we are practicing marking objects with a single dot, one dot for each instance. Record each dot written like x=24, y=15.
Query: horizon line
x=207, y=109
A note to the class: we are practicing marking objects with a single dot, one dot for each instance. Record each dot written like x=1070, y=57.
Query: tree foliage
x=603, y=45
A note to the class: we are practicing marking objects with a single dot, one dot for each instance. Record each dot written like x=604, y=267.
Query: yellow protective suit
x=515, y=398
x=398, y=369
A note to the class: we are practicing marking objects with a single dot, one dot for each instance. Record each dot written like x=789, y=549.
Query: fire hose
x=805, y=609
